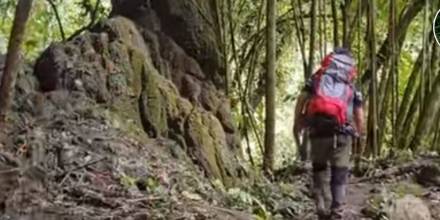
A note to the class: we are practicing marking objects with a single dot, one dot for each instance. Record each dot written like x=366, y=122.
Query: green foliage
x=128, y=181
x=241, y=200
x=378, y=206
x=267, y=200
x=403, y=189
x=42, y=28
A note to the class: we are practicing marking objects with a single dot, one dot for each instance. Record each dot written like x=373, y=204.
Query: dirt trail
x=357, y=197
x=373, y=197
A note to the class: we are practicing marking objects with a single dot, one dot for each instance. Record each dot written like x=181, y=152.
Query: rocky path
x=397, y=196
x=400, y=192
x=357, y=197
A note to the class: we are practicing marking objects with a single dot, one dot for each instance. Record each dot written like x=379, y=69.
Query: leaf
x=191, y=196
x=289, y=98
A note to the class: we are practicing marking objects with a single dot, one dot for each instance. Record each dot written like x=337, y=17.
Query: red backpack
x=332, y=91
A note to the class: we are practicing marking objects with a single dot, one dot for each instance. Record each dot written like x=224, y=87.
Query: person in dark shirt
x=334, y=150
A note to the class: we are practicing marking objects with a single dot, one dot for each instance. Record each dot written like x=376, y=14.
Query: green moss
x=137, y=60
x=403, y=189
x=175, y=105
x=125, y=116
x=153, y=106
x=205, y=133
x=122, y=28
x=199, y=135
x=128, y=181
x=128, y=51
x=149, y=103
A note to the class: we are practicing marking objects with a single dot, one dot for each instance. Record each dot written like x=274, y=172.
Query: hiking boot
x=337, y=214
x=324, y=215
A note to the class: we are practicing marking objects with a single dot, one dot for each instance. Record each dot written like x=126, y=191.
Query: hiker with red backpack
x=330, y=109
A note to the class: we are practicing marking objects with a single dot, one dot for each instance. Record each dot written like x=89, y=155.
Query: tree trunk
x=269, y=141
x=427, y=117
x=335, y=24
x=435, y=65
x=298, y=21
x=436, y=141
x=13, y=57
x=320, y=30
x=408, y=94
x=424, y=67
x=324, y=23
x=408, y=128
x=394, y=71
x=411, y=100
x=385, y=89
x=312, y=39
x=373, y=134
x=346, y=22
x=357, y=19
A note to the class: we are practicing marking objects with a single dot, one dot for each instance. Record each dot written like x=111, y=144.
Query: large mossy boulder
x=116, y=65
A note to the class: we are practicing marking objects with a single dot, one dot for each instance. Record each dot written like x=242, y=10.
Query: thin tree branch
x=57, y=16
x=93, y=18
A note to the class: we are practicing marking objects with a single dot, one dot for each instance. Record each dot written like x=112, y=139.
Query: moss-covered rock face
x=166, y=114
x=205, y=136
x=189, y=23
x=165, y=93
